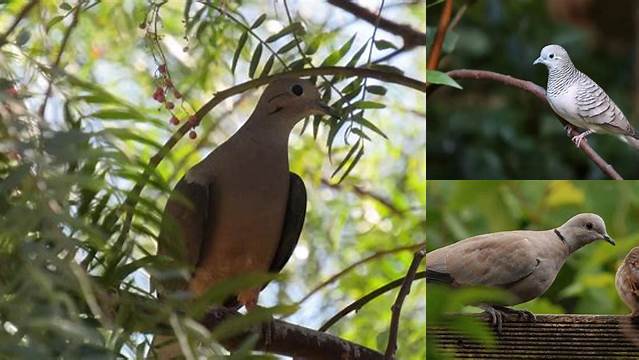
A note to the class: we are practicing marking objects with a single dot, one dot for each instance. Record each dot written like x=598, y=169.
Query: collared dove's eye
x=551, y=56
x=589, y=226
x=297, y=90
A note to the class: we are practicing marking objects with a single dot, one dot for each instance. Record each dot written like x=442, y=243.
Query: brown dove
x=627, y=281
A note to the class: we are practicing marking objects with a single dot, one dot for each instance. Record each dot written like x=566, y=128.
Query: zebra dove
x=580, y=101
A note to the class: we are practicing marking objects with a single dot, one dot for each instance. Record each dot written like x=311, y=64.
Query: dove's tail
x=630, y=140
x=438, y=277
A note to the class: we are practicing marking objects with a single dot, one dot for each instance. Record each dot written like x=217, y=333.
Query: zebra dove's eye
x=551, y=56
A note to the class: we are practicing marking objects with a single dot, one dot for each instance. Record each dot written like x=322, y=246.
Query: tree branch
x=540, y=93
x=280, y=337
x=359, y=303
x=23, y=13
x=354, y=265
x=133, y=196
x=440, y=35
x=396, y=309
x=411, y=37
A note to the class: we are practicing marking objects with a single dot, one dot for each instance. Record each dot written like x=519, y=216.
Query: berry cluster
x=161, y=93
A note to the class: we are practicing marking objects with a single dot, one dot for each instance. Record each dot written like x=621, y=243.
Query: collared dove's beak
x=327, y=110
x=538, y=61
x=609, y=239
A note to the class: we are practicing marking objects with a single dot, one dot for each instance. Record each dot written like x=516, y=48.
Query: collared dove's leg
x=579, y=138
x=496, y=316
x=248, y=298
x=525, y=314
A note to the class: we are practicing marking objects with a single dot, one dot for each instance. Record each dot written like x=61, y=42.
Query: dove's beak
x=539, y=60
x=326, y=110
x=609, y=239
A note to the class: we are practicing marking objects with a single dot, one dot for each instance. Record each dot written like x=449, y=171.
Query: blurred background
x=585, y=285
x=492, y=131
x=66, y=168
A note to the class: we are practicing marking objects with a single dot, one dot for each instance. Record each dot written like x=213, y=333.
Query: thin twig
x=360, y=191
x=356, y=264
x=132, y=198
x=23, y=13
x=56, y=63
x=411, y=37
x=396, y=309
x=440, y=35
x=540, y=93
x=359, y=303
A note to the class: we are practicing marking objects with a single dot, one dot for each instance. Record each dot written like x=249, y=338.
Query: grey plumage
x=525, y=263
x=580, y=101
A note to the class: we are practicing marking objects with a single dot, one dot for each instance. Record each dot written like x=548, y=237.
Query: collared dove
x=580, y=101
x=525, y=263
x=627, y=281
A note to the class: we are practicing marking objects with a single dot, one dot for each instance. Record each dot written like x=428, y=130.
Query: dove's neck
x=561, y=77
x=266, y=131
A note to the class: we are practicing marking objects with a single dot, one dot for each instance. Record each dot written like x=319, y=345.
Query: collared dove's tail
x=433, y=276
x=630, y=140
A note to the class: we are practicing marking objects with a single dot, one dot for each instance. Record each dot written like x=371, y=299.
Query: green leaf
x=115, y=115
x=54, y=20
x=294, y=27
x=384, y=44
x=259, y=21
x=65, y=6
x=337, y=55
x=23, y=37
x=351, y=166
x=353, y=61
x=438, y=77
x=370, y=125
x=376, y=89
x=238, y=50
x=267, y=67
x=350, y=153
x=255, y=60
x=366, y=104
x=387, y=68
x=290, y=45
x=434, y=3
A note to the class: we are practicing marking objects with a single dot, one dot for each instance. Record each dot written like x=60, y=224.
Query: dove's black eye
x=551, y=56
x=589, y=226
x=297, y=89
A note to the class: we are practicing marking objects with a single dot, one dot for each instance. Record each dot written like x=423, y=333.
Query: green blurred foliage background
x=585, y=285
x=65, y=176
x=492, y=131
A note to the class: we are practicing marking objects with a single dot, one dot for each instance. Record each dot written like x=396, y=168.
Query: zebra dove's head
x=553, y=56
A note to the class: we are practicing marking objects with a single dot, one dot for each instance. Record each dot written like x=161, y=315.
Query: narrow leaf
x=293, y=27
x=438, y=77
x=267, y=67
x=351, y=166
x=366, y=104
x=240, y=46
x=348, y=156
x=259, y=21
x=337, y=55
x=376, y=89
x=353, y=61
x=384, y=44
x=370, y=125
x=291, y=44
x=255, y=60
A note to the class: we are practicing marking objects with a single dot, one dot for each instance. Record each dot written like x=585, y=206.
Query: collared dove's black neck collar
x=561, y=237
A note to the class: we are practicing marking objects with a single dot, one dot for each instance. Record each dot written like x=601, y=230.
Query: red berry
x=192, y=134
x=174, y=120
x=162, y=69
x=13, y=91
x=158, y=95
x=170, y=105
x=193, y=121
x=177, y=94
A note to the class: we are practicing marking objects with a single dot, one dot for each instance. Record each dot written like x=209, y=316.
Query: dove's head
x=292, y=99
x=583, y=229
x=553, y=56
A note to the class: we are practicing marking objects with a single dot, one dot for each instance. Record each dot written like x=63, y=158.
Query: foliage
x=493, y=131
x=460, y=209
x=75, y=280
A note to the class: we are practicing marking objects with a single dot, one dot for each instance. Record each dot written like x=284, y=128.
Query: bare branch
x=411, y=37
x=440, y=35
x=391, y=349
x=359, y=303
x=539, y=92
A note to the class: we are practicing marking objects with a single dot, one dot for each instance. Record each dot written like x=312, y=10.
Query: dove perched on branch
x=580, y=101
